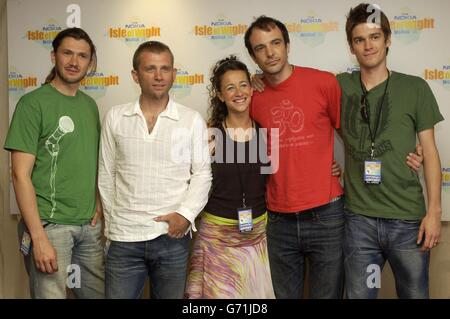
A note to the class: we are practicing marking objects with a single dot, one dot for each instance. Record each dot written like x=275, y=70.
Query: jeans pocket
x=49, y=226
x=183, y=241
x=331, y=214
x=332, y=222
x=351, y=216
x=406, y=224
x=411, y=222
x=272, y=217
x=97, y=228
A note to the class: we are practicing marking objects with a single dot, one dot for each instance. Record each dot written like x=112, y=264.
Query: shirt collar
x=171, y=110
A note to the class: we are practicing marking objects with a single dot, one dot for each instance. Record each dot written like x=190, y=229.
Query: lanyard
x=241, y=182
x=367, y=112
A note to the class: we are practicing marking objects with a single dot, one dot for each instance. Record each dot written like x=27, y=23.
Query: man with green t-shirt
x=53, y=140
x=386, y=217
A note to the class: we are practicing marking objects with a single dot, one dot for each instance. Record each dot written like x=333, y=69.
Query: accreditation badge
x=372, y=171
x=25, y=244
x=245, y=219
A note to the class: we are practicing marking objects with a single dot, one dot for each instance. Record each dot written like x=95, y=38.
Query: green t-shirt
x=409, y=107
x=63, y=133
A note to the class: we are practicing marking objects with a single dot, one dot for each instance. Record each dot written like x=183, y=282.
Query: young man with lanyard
x=305, y=209
x=386, y=216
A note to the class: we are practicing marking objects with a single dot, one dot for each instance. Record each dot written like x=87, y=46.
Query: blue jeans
x=369, y=242
x=163, y=259
x=80, y=259
x=317, y=234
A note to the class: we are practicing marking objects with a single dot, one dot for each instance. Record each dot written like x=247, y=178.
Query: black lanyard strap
x=241, y=181
x=367, y=106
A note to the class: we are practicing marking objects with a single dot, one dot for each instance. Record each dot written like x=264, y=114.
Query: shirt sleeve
x=106, y=167
x=427, y=111
x=334, y=101
x=200, y=182
x=25, y=128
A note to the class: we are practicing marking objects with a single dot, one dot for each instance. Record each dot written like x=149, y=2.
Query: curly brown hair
x=217, y=109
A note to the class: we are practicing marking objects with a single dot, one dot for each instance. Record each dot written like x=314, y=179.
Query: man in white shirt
x=154, y=178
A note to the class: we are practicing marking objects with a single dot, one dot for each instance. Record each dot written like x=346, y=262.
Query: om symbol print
x=286, y=116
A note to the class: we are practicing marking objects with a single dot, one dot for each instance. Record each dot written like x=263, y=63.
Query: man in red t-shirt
x=306, y=216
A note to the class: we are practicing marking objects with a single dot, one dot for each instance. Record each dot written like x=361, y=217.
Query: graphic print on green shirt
x=409, y=108
x=62, y=132
x=358, y=129
x=65, y=125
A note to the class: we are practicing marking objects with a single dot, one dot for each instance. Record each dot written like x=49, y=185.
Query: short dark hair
x=150, y=46
x=77, y=34
x=266, y=24
x=218, y=109
x=361, y=14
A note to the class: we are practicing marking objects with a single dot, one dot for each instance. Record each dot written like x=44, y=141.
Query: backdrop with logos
x=200, y=32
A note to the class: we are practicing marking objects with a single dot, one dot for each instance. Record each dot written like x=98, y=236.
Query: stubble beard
x=67, y=80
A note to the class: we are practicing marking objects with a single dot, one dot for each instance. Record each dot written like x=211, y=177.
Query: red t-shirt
x=306, y=110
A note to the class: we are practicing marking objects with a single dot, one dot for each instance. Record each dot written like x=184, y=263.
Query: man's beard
x=67, y=80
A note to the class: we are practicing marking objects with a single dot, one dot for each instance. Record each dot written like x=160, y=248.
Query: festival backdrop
x=200, y=32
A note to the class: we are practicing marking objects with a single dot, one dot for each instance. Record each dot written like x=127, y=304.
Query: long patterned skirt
x=228, y=264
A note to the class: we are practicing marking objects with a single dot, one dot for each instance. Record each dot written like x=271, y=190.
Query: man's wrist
x=434, y=212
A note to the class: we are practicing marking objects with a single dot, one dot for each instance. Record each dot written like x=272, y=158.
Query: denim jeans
x=80, y=259
x=370, y=242
x=317, y=234
x=163, y=260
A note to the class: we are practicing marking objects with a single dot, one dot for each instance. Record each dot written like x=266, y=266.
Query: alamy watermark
x=74, y=276
x=374, y=20
x=184, y=152
x=374, y=279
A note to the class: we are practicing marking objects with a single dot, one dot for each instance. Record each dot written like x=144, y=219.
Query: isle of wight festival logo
x=221, y=32
x=439, y=76
x=19, y=83
x=312, y=29
x=446, y=179
x=45, y=34
x=182, y=86
x=134, y=33
x=407, y=27
x=96, y=84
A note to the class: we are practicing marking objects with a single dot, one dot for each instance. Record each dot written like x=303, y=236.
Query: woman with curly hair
x=229, y=258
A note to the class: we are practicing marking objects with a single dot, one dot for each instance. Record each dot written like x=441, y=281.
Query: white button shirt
x=142, y=175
